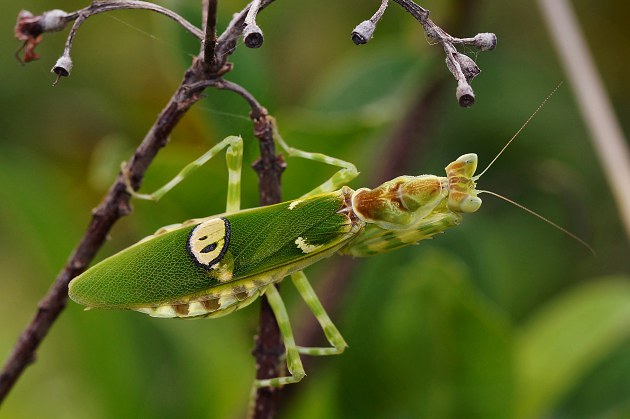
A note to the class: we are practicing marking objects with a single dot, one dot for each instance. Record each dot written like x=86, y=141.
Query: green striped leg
x=294, y=363
x=330, y=330
x=344, y=175
x=234, y=158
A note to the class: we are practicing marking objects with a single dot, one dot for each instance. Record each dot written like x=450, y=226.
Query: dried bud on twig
x=465, y=95
x=253, y=36
x=252, y=33
x=463, y=68
x=363, y=32
x=467, y=65
x=485, y=41
x=62, y=67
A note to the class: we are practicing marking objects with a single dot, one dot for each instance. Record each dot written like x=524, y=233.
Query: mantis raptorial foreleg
x=347, y=172
x=234, y=158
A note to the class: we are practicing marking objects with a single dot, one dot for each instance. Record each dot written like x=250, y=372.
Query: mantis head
x=462, y=195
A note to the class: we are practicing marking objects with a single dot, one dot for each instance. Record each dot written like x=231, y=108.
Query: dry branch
x=197, y=78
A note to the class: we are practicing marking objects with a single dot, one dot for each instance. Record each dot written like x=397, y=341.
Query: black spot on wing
x=209, y=248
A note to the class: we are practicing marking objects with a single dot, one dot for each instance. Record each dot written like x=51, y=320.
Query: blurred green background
x=502, y=317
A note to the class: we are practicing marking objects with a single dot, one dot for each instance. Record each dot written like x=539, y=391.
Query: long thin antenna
x=519, y=130
x=565, y=231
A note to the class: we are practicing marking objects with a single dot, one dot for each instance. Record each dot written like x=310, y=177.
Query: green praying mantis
x=212, y=266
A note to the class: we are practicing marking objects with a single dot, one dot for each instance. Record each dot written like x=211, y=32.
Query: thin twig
x=107, y=6
x=250, y=17
x=257, y=110
x=210, y=31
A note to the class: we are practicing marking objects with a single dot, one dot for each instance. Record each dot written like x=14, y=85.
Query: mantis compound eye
x=470, y=204
x=463, y=202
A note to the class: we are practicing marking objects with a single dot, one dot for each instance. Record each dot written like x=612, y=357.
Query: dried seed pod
x=363, y=32
x=465, y=95
x=253, y=36
x=486, y=41
x=468, y=66
x=62, y=67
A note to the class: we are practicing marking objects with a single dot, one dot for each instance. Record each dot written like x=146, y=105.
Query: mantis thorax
x=405, y=201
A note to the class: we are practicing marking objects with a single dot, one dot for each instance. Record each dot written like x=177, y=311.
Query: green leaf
x=567, y=338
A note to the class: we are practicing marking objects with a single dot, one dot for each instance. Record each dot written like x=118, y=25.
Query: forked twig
x=463, y=68
x=116, y=202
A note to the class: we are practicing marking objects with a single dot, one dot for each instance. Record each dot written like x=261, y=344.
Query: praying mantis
x=209, y=267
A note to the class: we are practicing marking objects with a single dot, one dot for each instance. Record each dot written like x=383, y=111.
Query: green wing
x=165, y=268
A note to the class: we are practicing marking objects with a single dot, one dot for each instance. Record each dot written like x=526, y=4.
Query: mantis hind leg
x=345, y=174
x=234, y=157
x=330, y=330
x=294, y=363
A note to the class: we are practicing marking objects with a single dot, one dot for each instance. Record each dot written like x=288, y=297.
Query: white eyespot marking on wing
x=208, y=242
x=304, y=246
x=294, y=204
x=224, y=271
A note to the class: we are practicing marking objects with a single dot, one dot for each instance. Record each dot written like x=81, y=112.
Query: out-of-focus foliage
x=501, y=317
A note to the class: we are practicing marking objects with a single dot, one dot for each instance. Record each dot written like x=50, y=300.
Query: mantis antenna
x=519, y=130
x=524, y=208
x=548, y=221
